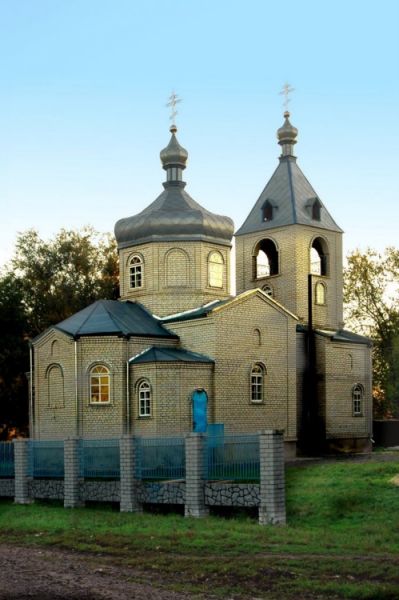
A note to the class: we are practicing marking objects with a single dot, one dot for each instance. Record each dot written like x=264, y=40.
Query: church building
x=177, y=352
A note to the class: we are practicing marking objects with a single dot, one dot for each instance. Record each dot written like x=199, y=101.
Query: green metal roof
x=338, y=335
x=194, y=313
x=161, y=354
x=112, y=317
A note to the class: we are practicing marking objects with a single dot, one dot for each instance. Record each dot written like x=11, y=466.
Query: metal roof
x=338, y=335
x=194, y=313
x=161, y=354
x=112, y=317
x=291, y=196
x=174, y=216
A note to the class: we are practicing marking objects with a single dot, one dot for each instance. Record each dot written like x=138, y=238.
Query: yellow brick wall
x=171, y=385
x=175, y=275
x=290, y=285
x=230, y=337
x=346, y=365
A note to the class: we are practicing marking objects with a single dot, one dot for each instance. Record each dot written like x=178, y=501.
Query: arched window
x=320, y=293
x=99, y=385
x=144, y=393
x=357, y=400
x=267, y=211
x=318, y=257
x=136, y=272
x=55, y=346
x=215, y=270
x=268, y=290
x=257, y=382
x=265, y=259
x=349, y=362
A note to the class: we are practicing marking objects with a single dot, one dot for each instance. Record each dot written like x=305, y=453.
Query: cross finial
x=286, y=91
x=173, y=100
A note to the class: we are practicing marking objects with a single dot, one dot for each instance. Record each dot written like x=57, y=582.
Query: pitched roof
x=219, y=305
x=112, y=317
x=160, y=354
x=291, y=196
x=338, y=335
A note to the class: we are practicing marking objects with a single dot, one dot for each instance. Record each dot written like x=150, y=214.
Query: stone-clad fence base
x=195, y=492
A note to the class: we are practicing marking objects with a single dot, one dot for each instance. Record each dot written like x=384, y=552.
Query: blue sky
x=83, y=88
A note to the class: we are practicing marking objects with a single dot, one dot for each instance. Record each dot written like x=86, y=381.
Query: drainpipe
x=127, y=399
x=31, y=419
x=76, y=388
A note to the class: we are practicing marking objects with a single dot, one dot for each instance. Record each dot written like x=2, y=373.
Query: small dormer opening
x=267, y=211
x=265, y=259
x=316, y=206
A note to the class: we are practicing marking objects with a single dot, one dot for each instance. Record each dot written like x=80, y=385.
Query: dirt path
x=43, y=574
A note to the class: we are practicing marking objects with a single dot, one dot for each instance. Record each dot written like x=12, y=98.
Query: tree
x=14, y=356
x=61, y=276
x=46, y=282
x=371, y=295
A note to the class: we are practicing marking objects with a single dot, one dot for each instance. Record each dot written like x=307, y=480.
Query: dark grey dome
x=174, y=215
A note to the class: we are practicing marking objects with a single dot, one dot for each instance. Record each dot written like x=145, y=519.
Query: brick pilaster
x=195, y=475
x=129, y=483
x=72, y=498
x=272, y=478
x=21, y=461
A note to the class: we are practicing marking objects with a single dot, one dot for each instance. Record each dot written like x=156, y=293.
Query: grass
x=341, y=541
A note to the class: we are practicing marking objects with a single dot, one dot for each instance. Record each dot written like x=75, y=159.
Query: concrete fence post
x=195, y=476
x=272, y=479
x=129, y=484
x=21, y=462
x=72, y=496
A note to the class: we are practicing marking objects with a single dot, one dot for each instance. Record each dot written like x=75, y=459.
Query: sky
x=84, y=84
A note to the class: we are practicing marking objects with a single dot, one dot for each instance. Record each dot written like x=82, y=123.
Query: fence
x=160, y=458
x=99, y=459
x=46, y=459
x=232, y=457
x=196, y=470
x=6, y=459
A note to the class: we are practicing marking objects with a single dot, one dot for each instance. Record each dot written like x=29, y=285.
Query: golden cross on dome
x=173, y=100
x=286, y=91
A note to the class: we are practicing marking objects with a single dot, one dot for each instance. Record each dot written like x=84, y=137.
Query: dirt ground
x=43, y=574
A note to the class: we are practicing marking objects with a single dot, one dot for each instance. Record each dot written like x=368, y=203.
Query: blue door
x=200, y=404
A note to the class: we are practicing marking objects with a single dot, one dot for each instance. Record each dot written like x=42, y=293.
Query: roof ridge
x=292, y=191
x=94, y=306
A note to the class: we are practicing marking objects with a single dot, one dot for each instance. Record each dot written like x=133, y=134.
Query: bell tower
x=288, y=235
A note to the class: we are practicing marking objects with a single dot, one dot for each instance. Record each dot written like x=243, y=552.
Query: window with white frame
x=215, y=270
x=136, y=272
x=144, y=391
x=99, y=385
x=257, y=383
x=357, y=400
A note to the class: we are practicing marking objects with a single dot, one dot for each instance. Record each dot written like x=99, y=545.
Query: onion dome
x=174, y=155
x=174, y=215
x=287, y=136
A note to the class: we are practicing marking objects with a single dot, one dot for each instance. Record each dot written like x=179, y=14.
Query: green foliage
x=371, y=296
x=46, y=282
x=14, y=361
x=61, y=276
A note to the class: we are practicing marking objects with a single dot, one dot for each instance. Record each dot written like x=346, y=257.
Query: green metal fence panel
x=160, y=458
x=6, y=459
x=100, y=459
x=46, y=459
x=232, y=457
